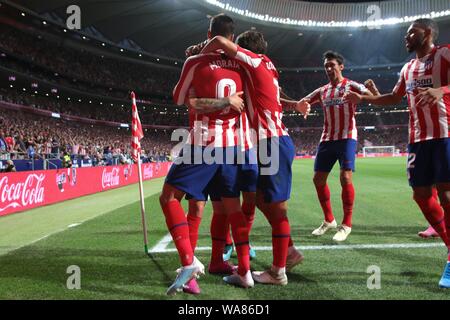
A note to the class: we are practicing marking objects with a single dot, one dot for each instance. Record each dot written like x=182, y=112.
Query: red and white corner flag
x=136, y=135
x=136, y=130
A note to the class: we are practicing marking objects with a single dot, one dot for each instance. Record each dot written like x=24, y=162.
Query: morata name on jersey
x=227, y=64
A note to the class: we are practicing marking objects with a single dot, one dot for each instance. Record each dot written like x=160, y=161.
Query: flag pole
x=141, y=193
x=141, y=187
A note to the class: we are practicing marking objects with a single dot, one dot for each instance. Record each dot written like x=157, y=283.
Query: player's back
x=216, y=76
x=265, y=109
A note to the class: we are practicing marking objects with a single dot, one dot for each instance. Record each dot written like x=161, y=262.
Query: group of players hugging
x=238, y=146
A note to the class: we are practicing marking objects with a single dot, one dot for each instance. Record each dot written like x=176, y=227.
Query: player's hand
x=195, y=49
x=428, y=96
x=303, y=107
x=353, y=97
x=236, y=102
x=369, y=83
x=192, y=51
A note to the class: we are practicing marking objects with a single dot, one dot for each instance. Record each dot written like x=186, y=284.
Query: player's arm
x=395, y=97
x=195, y=49
x=370, y=85
x=430, y=96
x=304, y=105
x=382, y=100
x=290, y=104
x=208, y=105
x=221, y=43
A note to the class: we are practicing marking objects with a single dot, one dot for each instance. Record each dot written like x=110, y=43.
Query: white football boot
x=294, y=258
x=324, y=227
x=274, y=276
x=186, y=273
x=245, y=281
x=342, y=233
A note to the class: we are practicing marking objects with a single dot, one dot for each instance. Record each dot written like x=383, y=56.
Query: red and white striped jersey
x=339, y=115
x=211, y=75
x=432, y=71
x=263, y=103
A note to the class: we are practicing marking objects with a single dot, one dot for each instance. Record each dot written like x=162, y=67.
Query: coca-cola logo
x=148, y=172
x=21, y=194
x=110, y=178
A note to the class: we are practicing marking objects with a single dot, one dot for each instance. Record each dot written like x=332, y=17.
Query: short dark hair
x=431, y=24
x=253, y=41
x=221, y=25
x=333, y=55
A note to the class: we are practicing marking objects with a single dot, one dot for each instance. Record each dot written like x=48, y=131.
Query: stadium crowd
x=26, y=135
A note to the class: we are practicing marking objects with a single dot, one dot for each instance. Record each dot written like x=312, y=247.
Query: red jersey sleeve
x=358, y=87
x=250, y=60
x=314, y=97
x=181, y=90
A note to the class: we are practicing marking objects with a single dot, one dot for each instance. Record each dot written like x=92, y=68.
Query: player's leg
x=219, y=229
x=323, y=164
x=176, y=221
x=441, y=162
x=243, y=277
x=248, y=209
x=181, y=179
x=194, y=218
x=444, y=196
x=231, y=199
x=294, y=256
x=347, y=155
x=178, y=227
x=429, y=232
x=274, y=189
x=276, y=215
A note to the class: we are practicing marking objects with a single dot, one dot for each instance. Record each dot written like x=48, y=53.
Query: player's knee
x=346, y=177
x=165, y=198
x=319, y=180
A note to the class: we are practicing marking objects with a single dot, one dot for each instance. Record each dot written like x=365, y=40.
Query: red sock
x=248, y=208
x=348, y=198
x=219, y=230
x=194, y=223
x=240, y=236
x=178, y=227
x=435, y=216
x=291, y=244
x=323, y=193
x=280, y=241
x=229, y=240
x=434, y=193
x=446, y=208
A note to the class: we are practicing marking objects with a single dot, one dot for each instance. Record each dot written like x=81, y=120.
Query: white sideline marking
x=162, y=244
x=73, y=225
x=160, y=249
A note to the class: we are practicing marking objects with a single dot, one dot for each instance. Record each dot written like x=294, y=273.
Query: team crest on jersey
x=428, y=64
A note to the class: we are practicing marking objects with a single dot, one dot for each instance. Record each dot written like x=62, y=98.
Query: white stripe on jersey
x=270, y=124
x=413, y=103
x=443, y=123
x=328, y=115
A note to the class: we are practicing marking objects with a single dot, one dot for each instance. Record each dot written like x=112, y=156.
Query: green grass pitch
x=107, y=245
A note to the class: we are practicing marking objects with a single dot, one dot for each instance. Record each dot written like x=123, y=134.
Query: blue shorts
x=429, y=162
x=194, y=179
x=276, y=155
x=248, y=172
x=329, y=152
